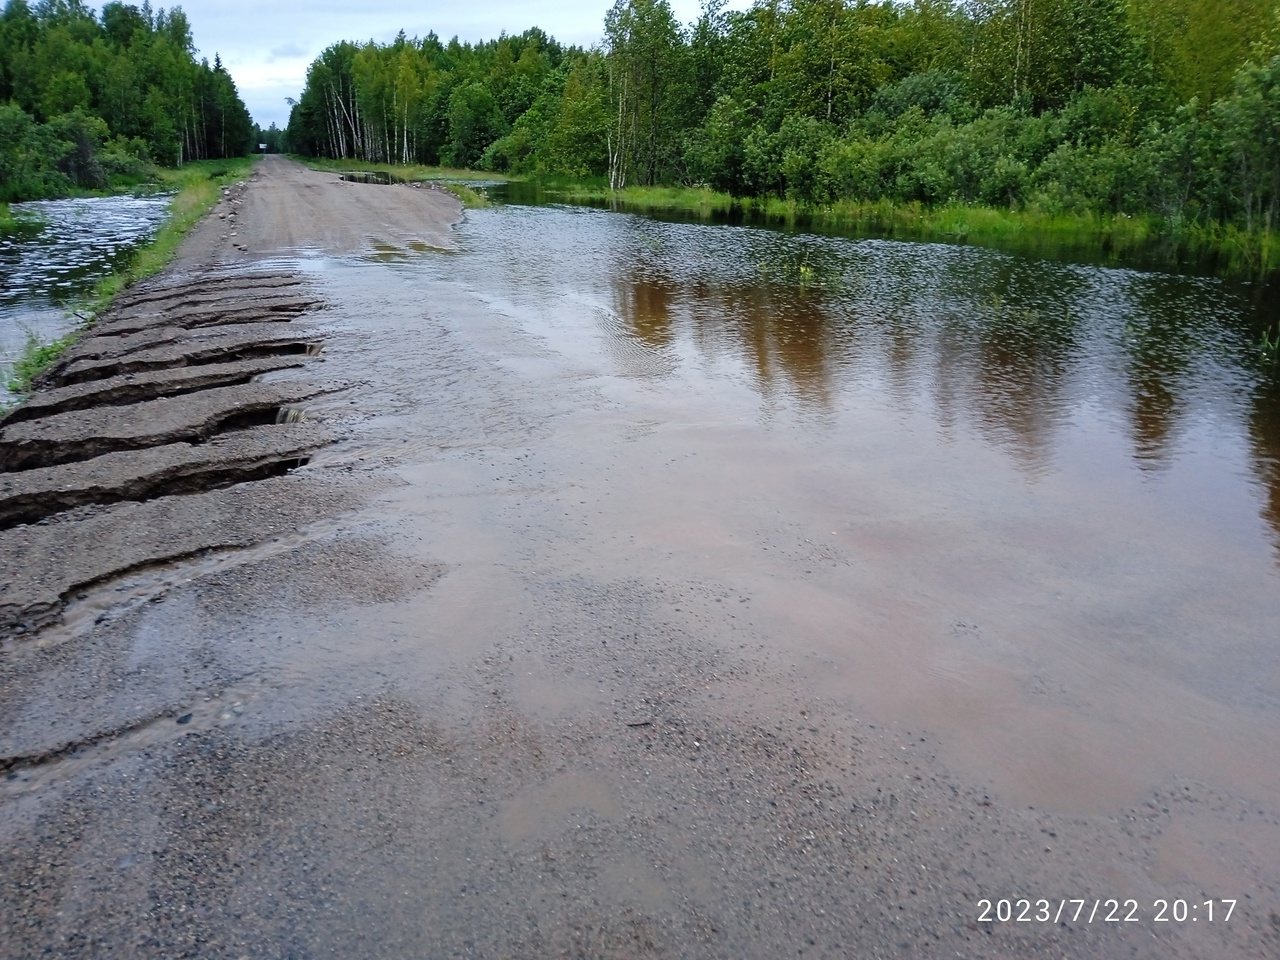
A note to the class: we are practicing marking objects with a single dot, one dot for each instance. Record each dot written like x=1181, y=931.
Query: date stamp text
x=1028, y=910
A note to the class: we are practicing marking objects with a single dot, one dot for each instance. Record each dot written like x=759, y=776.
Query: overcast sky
x=268, y=45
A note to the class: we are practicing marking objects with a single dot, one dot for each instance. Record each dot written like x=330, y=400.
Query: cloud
x=289, y=51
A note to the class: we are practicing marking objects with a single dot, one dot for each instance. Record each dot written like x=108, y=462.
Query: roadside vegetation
x=1114, y=237
x=1119, y=126
x=35, y=359
x=197, y=187
x=93, y=103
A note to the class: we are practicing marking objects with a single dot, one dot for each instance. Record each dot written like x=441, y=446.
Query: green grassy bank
x=196, y=188
x=1115, y=238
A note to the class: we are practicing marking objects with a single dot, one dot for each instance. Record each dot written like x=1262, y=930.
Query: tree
x=646, y=59
x=577, y=136
x=474, y=122
x=1249, y=125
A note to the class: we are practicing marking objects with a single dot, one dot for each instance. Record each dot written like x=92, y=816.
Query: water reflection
x=780, y=331
x=1058, y=365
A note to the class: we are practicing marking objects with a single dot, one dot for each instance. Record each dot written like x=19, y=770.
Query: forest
x=87, y=101
x=1164, y=109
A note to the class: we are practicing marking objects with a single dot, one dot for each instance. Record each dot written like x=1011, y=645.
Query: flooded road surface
x=70, y=245
x=1032, y=504
x=686, y=591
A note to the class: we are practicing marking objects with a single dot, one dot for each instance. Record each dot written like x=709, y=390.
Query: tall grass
x=35, y=359
x=467, y=196
x=196, y=188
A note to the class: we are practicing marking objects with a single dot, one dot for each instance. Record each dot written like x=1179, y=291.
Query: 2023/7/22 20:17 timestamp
x=1026, y=910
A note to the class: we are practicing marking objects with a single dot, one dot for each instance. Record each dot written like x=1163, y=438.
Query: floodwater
x=1032, y=504
x=73, y=244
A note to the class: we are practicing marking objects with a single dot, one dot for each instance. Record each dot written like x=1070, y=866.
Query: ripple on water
x=79, y=242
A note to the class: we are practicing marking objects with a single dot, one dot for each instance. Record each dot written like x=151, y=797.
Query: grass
x=1107, y=237
x=468, y=196
x=36, y=358
x=1270, y=345
x=196, y=188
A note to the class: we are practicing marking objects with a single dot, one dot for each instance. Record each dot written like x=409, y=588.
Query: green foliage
x=1196, y=46
x=89, y=103
x=272, y=136
x=421, y=101
x=474, y=121
x=25, y=151
x=714, y=152
x=1249, y=126
x=647, y=63
x=577, y=133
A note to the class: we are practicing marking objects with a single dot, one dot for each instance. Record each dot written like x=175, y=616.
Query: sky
x=267, y=45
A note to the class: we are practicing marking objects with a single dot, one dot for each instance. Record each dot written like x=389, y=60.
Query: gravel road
x=327, y=644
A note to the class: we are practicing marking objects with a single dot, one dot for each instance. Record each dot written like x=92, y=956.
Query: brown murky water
x=1032, y=506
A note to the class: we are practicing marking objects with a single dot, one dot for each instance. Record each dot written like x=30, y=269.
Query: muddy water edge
x=649, y=590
